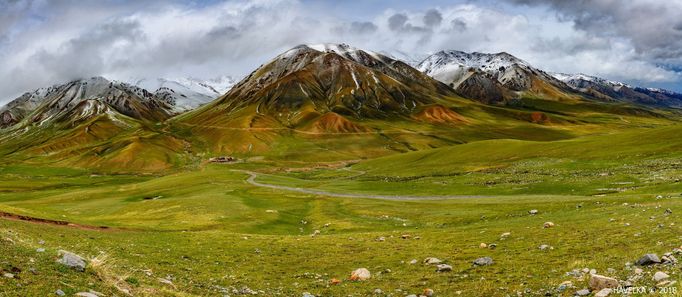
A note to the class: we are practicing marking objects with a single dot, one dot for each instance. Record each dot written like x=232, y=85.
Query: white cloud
x=59, y=41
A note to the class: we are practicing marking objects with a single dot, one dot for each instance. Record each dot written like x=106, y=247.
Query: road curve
x=253, y=175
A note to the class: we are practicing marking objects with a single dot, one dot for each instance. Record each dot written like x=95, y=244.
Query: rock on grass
x=483, y=261
x=71, y=260
x=599, y=282
x=360, y=274
x=648, y=259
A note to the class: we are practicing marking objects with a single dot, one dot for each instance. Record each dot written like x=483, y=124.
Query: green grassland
x=209, y=231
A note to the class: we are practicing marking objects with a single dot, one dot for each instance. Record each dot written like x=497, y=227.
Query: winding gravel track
x=253, y=175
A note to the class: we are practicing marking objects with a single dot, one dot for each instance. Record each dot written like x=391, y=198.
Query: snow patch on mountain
x=185, y=93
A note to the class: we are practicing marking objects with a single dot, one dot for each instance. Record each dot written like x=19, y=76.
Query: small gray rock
x=306, y=294
x=483, y=261
x=533, y=211
x=648, y=259
x=8, y=275
x=59, y=292
x=583, y=292
x=40, y=250
x=660, y=276
x=443, y=268
x=72, y=260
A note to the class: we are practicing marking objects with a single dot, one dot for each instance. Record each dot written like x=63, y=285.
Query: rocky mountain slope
x=618, y=91
x=186, y=93
x=86, y=98
x=317, y=79
x=492, y=78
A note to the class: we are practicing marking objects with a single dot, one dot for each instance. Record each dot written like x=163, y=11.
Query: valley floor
x=279, y=229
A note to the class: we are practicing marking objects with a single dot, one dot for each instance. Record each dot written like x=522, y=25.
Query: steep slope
x=492, y=78
x=44, y=106
x=186, y=93
x=617, y=91
x=337, y=78
x=337, y=102
x=92, y=123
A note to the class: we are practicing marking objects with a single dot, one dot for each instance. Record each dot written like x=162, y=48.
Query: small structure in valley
x=223, y=159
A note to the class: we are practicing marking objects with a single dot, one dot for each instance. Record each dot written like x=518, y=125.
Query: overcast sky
x=45, y=42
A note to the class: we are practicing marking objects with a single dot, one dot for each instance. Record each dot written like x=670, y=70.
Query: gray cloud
x=362, y=27
x=49, y=42
x=433, y=18
x=652, y=26
x=397, y=21
x=458, y=25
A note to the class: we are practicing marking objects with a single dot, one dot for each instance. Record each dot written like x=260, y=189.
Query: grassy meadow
x=204, y=230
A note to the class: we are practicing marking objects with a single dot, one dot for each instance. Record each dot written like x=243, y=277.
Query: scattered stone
x=669, y=259
x=428, y=292
x=583, y=292
x=40, y=250
x=271, y=211
x=315, y=233
x=603, y=292
x=598, y=282
x=360, y=274
x=505, y=234
x=381, y=238
x=668, y=211
x=432, y=261
x=405, y=236
x=483, y=245
x=492, y=246
x=413, y=261
x=443, y=268
x=639, y=271
x=548, y=225
x=8, y=275
x=306, y=294
x=565, y=285
x=335, y=281
x=533, y=211
x=545, y=247
x=378, y=291
x=59, y=292
x=660, y=276
x=648, y=259
x=72, y=260
x=483, y=261
x=85, y=294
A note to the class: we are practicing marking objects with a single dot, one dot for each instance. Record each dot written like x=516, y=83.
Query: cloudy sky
x=45, y=42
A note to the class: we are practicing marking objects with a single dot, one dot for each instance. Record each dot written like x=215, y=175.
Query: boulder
x=71, y=260
x=483, y=261
x=648, y=259
x=660, y=276
x=360, y=274
x=599, y=282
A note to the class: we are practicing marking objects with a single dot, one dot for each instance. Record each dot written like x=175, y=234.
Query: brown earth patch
x=16, y=217
x=439, y=114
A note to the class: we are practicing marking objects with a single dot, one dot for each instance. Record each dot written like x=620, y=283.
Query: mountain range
x=329, y=99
